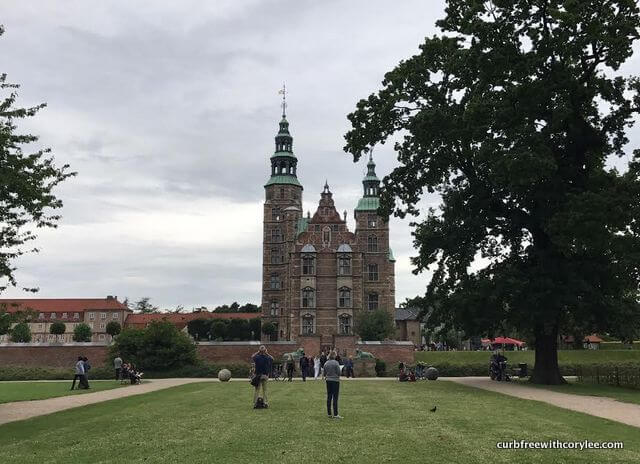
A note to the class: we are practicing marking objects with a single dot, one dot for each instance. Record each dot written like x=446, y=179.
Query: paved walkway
x=19, y=410
x=606, y=408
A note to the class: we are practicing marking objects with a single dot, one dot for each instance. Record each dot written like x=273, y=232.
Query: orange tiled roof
x=50, y=305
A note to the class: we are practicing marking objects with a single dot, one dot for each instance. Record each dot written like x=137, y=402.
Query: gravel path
x=606, y=408
x=19, y=410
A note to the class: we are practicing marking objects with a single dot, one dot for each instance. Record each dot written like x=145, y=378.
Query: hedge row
x=102, y=373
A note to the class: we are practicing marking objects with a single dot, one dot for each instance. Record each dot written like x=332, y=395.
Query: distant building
x=408, y=326
x=317, y=274
x=95, y=312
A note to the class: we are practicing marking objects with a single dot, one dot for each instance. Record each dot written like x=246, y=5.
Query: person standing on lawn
x=79, y=372
x=263, y=363
x=323, y=359
x=332, y=376
x=348, y=367
x=290, y=366
x=85, y=377
x=316, y=367
x=117, y=364
x=304, y=367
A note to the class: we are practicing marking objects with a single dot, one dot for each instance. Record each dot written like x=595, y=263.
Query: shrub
x=374, y=325
x=21, y=333
x=218, y=329
x=269, y=328
x=106, y=373
x=381, y=368
x=82, y=333
x=160, y=347
x=57, y=328
x=113, y=328
x=199, y=328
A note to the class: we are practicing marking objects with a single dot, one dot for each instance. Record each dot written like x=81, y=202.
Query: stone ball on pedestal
x=431, y=373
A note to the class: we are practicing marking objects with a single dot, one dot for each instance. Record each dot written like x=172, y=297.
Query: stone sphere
x=224, y=375
x=431, y=373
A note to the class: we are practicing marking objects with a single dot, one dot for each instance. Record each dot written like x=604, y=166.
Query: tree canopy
x=374, y=325
x=27, y=184
x=514, y=117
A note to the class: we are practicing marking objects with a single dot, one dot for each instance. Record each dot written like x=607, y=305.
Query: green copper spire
x=283, y=161
x=371, y=184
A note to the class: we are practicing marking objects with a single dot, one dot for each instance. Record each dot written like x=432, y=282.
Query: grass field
x=23, y=391
x=384, y=422
x=564, y=356
x=626, y=395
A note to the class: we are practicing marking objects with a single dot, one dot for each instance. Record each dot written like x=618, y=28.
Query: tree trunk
x=546, y=370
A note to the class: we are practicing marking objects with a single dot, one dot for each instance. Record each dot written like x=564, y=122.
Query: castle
x=316, y=274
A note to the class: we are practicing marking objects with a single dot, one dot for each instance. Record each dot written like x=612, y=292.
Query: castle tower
x=282, y=211
x=372, y=235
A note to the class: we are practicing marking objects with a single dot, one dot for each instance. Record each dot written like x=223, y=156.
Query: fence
x=627, y=376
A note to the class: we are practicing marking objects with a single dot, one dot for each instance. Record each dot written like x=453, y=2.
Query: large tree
x=513, y=116
x=27, y=182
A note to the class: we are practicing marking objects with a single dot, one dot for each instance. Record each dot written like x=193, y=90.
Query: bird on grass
x=433, y=409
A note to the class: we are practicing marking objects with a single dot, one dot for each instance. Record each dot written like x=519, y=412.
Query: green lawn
x=564, y=356
x=626, y=395
x=384, y=422
x=24, y=391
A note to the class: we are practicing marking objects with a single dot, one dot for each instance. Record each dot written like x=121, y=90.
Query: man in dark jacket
x=304, y=366
x=263, y=363
x=323, y=359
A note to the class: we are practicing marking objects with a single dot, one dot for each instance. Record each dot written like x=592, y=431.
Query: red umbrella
x=503, y=341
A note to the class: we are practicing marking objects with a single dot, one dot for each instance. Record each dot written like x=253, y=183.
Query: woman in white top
x=316, y=366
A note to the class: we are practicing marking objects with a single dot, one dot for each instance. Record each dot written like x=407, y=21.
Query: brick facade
x=317, y=275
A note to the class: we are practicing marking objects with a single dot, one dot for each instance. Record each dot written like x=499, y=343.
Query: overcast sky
x=167, y=111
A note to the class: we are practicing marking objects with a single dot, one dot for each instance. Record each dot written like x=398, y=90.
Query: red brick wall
x=66, y=356
x=217, y=353
x=52, y=356
x=390, y=352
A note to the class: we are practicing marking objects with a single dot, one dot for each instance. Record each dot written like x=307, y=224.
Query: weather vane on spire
x=283, y=92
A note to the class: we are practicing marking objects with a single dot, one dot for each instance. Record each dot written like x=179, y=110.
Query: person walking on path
x=332, y=376
x=79, y=372
x=304, y=366
x=117, y=364
x=85, y=377
x=290, y=367
x=348, y=367
x=263, y=362
x=316, y=367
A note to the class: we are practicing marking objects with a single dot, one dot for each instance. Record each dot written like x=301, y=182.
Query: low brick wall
x=391, y=351
x=65, y=355
x=241, y=352
x=52, y=355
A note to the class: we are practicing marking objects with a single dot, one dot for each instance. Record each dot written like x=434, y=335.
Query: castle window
x=372, y=221
x=274, y=308
x=282, y=192
x=276, y=214
x=344, y=265
x=307, y=324
x=372, y=244
x=276, y=235
x=274, y=283
x=372, y=270
x=372, y=301
x=308, y=297
x=276, y=255
x=308, y=265
x=345, y=324
x=344, y=297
